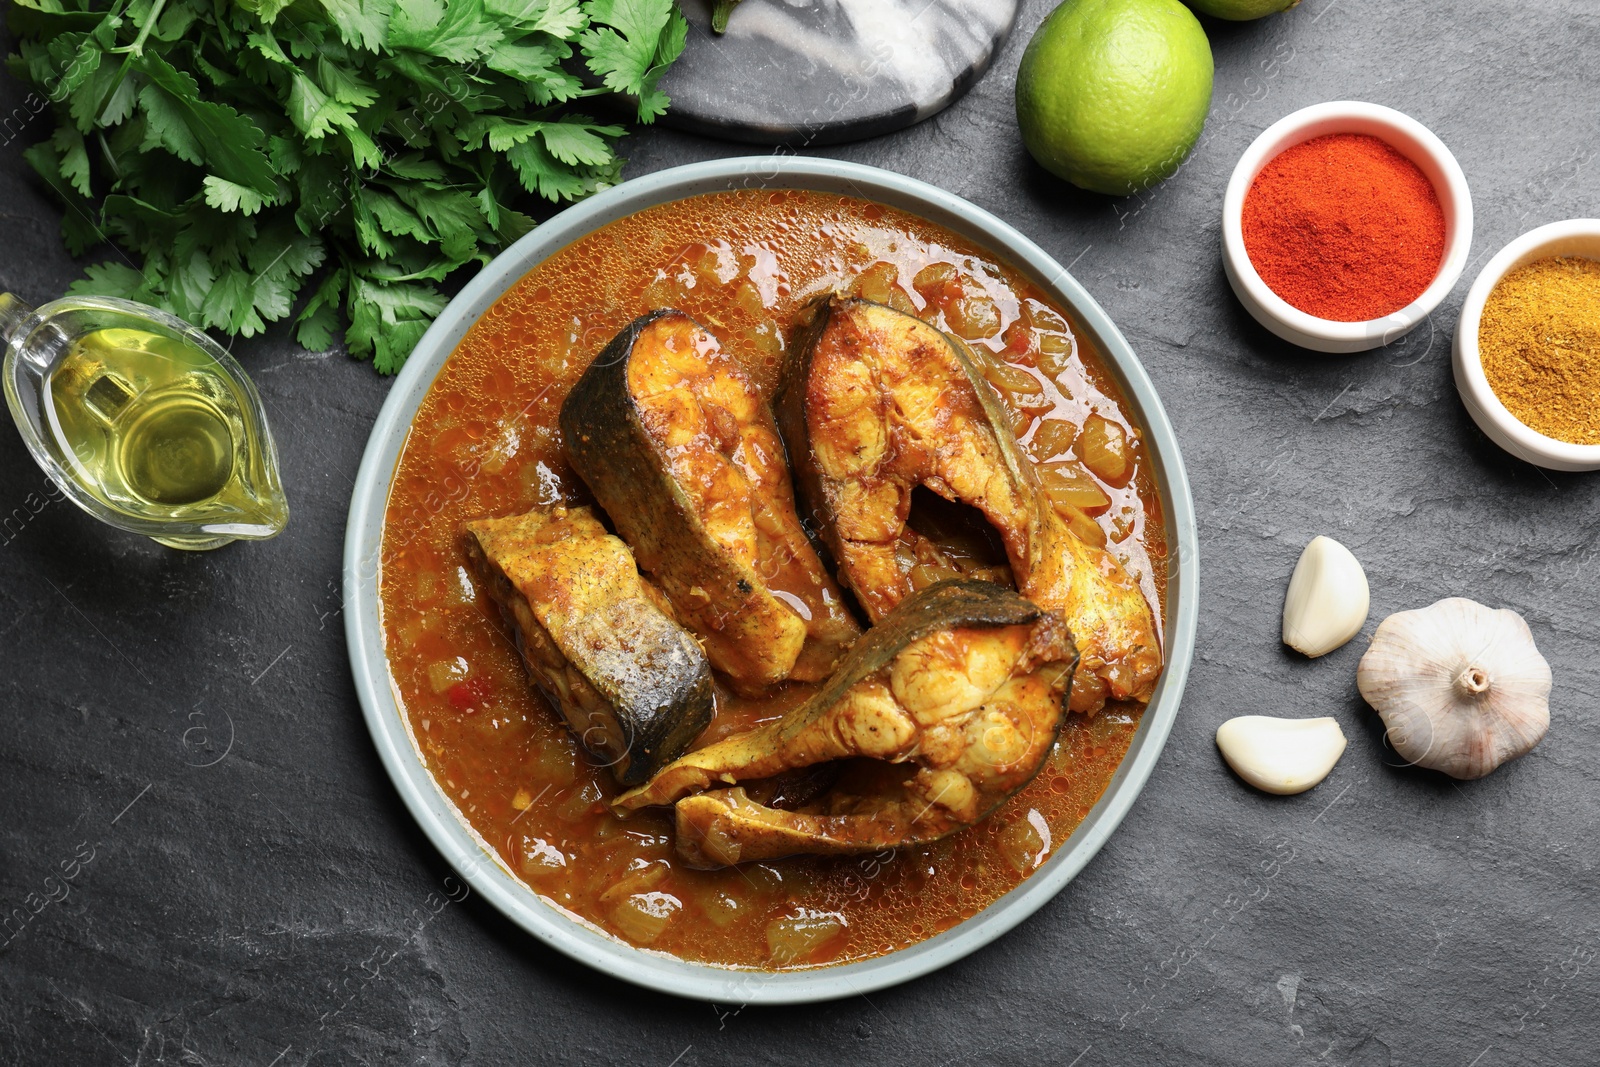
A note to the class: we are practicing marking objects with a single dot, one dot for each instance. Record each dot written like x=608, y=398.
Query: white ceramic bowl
x=1412, y=140
x=479, y=863
x=1575, y=237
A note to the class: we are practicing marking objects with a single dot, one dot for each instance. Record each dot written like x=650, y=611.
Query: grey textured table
x=277, y=906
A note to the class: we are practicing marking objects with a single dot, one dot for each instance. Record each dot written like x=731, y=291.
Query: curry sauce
x=486, y=443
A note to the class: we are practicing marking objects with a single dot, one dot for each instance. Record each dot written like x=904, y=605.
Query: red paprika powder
x=1344, y=227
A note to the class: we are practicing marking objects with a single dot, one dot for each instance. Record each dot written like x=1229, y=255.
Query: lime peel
x=1112, y=94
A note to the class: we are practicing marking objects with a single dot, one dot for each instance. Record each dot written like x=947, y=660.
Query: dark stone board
x=275, y=906
x=817, y=72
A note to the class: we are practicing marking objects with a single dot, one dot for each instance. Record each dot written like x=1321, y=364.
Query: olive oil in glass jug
x=143, y=420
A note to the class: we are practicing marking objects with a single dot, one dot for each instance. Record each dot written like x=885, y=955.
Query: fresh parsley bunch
x=245, y=150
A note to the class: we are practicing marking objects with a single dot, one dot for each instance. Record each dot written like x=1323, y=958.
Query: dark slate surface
x=274, y=907
x=820, y=72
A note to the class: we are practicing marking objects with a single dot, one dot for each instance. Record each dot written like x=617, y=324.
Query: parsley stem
x=150, y=24
x=108, y=156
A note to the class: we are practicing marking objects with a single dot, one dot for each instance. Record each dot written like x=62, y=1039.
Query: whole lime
x=1112, y=94
x=1241, y=10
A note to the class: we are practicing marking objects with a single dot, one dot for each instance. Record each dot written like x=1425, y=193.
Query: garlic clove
x=1282, y=756
x=1327, y=600
x=1461, y=687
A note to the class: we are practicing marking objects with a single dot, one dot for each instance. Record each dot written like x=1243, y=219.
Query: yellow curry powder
x=1539, y=339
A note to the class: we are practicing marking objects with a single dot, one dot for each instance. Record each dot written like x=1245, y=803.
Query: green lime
x=1241, y=10
x=1112, y=94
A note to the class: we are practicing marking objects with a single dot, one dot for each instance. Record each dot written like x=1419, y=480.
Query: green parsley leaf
x=267, y=10
x=321, y=318
x=537, y=63
x=576, y=139
x=344, y=85
x=226, y=196
x=111, y=279
x=232, y=144
x=444, y=210
x=631, y=52
x=313, y=112
x=361, y=22
x=79, y=228
x=393, y=216
x=73, y=159
x=558, y=18
x=100, y=79
x=459, y=32
x=414, y=165
x=229, y=303
x=387, y=321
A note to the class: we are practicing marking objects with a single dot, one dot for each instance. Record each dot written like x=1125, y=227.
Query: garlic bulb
x=1327, y=601
x=1461, y=687
x=1281, y=756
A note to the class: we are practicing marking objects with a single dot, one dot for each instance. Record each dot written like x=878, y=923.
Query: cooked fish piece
x=597, y=640
x=674, y=442
x=877, y=402
x=945, y=708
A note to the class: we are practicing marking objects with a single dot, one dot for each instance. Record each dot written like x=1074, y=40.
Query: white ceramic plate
x=478, y=862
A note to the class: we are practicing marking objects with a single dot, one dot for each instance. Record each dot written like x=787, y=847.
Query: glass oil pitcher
x=142, y=420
